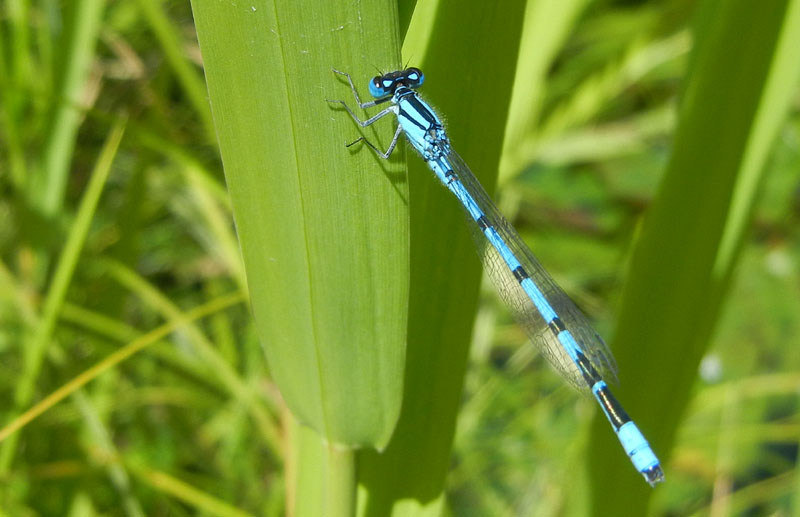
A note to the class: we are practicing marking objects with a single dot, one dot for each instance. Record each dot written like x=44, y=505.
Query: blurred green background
x=133, y=382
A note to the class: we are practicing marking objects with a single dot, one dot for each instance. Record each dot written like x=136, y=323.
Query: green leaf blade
x=684, y=260
x=323, y=232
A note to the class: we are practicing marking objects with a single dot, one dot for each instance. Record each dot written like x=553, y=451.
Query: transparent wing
x=519, y=302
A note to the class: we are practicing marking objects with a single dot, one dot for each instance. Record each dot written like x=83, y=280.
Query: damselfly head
x=386, y=84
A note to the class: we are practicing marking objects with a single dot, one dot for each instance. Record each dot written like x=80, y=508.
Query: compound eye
x=414, y=77
x=381, y=86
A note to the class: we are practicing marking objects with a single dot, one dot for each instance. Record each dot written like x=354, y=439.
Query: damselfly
x=546, y=313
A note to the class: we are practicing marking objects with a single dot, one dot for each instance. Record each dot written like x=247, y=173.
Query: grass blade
x=68, y=260
x=738, y=89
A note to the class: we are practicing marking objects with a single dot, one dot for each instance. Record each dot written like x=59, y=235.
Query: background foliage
x=133, y=382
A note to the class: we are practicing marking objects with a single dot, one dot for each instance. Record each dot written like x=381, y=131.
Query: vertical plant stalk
x=340, y=483
x=46, y=190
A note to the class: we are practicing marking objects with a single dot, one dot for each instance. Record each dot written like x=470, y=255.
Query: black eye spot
x=414, y=77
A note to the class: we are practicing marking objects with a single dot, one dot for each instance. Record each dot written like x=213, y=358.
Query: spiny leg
x=362, y=105
x=388, y=152
x=369, y=121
